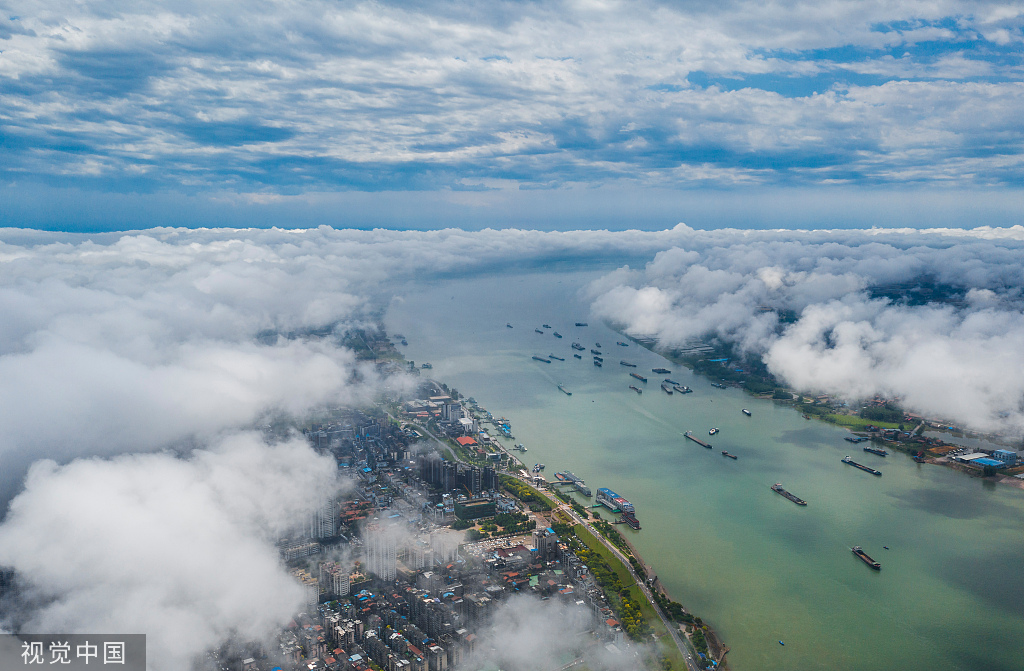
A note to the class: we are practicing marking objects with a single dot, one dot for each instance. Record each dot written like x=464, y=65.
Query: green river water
x=757, y=567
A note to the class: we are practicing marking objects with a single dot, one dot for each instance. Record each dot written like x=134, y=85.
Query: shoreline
x=934, y=459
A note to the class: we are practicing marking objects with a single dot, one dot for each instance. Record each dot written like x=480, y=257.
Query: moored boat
x=508, y=325
x=661, y=371
x=880, y=451
x=666, y=388
x=622, y=344
x=557, y=334
x=639, y=377
x=577, y=356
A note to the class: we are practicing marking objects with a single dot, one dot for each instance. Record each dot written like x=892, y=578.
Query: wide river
x=758, y=568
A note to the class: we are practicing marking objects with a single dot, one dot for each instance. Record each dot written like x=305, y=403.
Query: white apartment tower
x=381, y=548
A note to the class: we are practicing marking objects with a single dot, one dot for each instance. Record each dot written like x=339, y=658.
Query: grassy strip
x=525, y=492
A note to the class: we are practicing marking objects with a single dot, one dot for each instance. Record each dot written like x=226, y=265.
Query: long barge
x=661, y=371
x=880, y=451
x=636, y=389
x=857, y=550
x=866, y=469
x=552, y=356
x=689, y=434
x=683, y=389
x=578, y=346
x=639, y=377
x=665, y=387
x=565, y=391
x=597, y=362
x=627, y=364
x=540, y=358
x=777, y=487
x=596, y=352
x=731, y=456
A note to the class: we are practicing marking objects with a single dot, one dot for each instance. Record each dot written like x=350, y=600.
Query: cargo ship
x=557, y=334
x=777, y=487
x=689, y=434
x=564, y=390
x=578, y=346
x=520, y=447
x=539, y=331
x=597, y=362
x=622, y=344
x=595, y=351
x=665, y=387
x=547, y=326
x=661, y=371
x=731, y=456
x=745, y=412
x=540, y=358
x=597, y=358
x=712, y=432
x=508, y=325
x=581, y=323
x=671, y=382
x=866, y=469
x=683, y=389
x=613, y=501
x=597, y=345
x=636, y=389
x=577, y=356
x=626, y=363
x=718, y=385
x=639, y=377
x=880, y=451
x=865, y=558
x=552, y=356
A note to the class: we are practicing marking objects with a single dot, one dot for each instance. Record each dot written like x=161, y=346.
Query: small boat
x=540, y=358
x=557, y=334
x=520, y=447
x=683, y=389
x=622, y=344
x=745, y=412
x=807, y=416
x=405, y=342
x=718, y=385
x=541, y=466
x=712, y=432
x=885, y=547
x=538, y=331
x=577, y=356
x=597, y=358
x=552, y=356
x=597, y=345
x=581, y=323
x=636, y=389
x=578, y=346
x=508, y=325
x=547, y=326
x=595, y=351
x=564, y=390
x=781, y=643
x=426, y=365
x=731, y=456
x=863, y=556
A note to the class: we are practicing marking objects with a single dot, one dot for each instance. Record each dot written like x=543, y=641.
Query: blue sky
x=538, y=114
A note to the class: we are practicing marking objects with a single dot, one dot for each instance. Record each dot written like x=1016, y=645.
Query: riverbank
x=929, y=448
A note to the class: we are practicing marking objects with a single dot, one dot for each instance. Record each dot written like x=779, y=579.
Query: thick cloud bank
x=180, y=549
x=933, y=318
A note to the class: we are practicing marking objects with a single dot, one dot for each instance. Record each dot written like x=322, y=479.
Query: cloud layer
x=179, y=549
x=368, y=96
x=931, y=318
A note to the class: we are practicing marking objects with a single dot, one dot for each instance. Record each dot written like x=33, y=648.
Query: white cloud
x=179, y=549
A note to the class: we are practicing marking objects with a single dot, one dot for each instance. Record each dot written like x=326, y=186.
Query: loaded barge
x=777, y=487
x=540, y=358
x=639, y=377
x=865, y=558
x=666, y=388
x=564, y=390
x=689, y=434
x=880, y=451
x=731, y=456
x=636, y=389
x=866, y=469
x=626, y=363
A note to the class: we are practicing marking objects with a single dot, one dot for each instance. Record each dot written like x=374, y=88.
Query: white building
x=381, y=552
